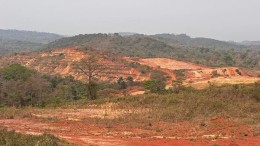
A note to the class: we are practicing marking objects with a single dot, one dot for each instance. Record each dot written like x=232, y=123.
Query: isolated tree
x=130, y=79
x=92, y=68
x=121, y=82
x=154, y=86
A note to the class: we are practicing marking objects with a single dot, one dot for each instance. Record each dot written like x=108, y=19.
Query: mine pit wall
x=63, y=62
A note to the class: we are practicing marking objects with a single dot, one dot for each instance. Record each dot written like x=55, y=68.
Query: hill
x=64, y=62
x=12, y=41
x=223, y=53
x=251, y=43
x=29, y=36
x=12, y=46
x=133, y=46
x=199, y=42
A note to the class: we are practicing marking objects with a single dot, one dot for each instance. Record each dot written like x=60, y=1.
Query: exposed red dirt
x=77, y=126
x=62, y=61
x=170, y=64
x=198, y=76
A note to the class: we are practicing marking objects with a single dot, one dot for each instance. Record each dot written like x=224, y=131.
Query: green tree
x=130, y=79
x=120, y=80
x=17, y=72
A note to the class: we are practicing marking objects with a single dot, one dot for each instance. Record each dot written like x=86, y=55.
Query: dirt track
x=77, y=126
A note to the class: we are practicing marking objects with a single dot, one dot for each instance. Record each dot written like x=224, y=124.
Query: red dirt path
x=83, y=131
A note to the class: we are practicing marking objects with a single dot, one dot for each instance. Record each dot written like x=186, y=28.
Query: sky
x=228, y=20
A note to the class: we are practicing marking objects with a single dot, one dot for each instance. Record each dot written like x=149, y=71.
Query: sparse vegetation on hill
x=15, y=41
x=29, y=36
x=186, y=40
x=130, y=45
x=14, y=46
x=213, y=53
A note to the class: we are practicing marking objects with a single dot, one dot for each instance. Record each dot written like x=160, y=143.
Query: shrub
x=130, y=79
x=16, y=72
x=121, y=83
x=154, y=86
x=180, y=74
x=238, y=72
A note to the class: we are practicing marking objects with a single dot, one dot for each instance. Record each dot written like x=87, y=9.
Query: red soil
x=198, y=76
x=170, y=64
x=62, y=61
x=83, y=131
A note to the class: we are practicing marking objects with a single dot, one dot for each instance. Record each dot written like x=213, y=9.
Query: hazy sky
x=220, y=19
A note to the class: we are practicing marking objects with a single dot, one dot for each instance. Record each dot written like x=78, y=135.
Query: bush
x=154, y=86
x=238, y=72
x=192, y=104
x=20, y=86
x=16, y=72
x=121, y=82
x=180, y=74
x=130, y=79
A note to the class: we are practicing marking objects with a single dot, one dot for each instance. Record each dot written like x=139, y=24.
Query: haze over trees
x=14, y=41
x=204, y=51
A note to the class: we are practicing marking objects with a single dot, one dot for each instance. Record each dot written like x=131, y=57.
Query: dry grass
x=236, y=102
x=220, y=81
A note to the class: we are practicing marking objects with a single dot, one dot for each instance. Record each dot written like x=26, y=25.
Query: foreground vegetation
x=29, y=94
x=20, y=86
x=236, y=103
x=11, y=138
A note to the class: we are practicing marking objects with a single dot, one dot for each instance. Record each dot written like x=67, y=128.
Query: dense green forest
x=202, y=51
